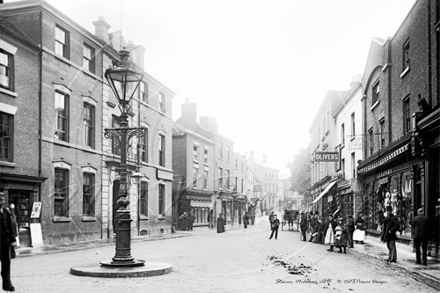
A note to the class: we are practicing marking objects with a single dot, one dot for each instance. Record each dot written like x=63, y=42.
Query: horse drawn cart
x=290, y=218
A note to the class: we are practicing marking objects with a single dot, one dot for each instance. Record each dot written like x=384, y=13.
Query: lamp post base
x=144, y=269
x=133, y=263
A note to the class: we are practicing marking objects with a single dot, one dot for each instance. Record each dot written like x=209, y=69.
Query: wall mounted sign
x=326, y=157
x=36, y=209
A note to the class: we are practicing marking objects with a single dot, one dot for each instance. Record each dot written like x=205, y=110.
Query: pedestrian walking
x=350, y=231
x=341, y=236
x=421, y=227
x=303, y=226
x=330, y=233
x=274, y=227
x=391, y=226
x=436, y=229
x=271, y=219
x=359, y=232
x=220, y=224
x=245, y=220
x=7, y=244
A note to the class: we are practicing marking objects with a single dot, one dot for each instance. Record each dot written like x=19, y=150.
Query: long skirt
x=329, y=237
x=341, y=241
x=359, y=235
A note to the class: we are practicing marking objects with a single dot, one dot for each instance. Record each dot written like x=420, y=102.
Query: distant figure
x=319, y=239
x=350, y=230
x=191, y=219
x=245, y=220
x=183, y=221
x=220, y=224
x=341, y=236
x=330, y=233
x=421, y=235
x=274, y=227
x=303, y=226
x=390, y=227
x=271, y=219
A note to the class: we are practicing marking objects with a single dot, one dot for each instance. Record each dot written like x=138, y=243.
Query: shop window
x=406, y=203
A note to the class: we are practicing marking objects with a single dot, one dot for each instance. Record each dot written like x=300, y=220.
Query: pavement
x=372, y=247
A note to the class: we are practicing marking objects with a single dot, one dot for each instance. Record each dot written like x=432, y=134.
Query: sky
x=261, y=67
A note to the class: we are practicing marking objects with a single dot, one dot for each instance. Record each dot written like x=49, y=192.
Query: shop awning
x=324, y=192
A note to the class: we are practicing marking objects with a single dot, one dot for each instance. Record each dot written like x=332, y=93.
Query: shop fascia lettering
x=326, y=157
x=384, y=160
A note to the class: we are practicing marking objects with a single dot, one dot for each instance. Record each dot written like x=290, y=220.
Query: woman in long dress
x=330, y=233
x=220, y=224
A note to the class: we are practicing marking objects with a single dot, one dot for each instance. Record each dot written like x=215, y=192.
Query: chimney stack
x=189, y=115
x=101, y=29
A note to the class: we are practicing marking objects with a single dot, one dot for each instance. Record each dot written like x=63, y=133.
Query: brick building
x=401, y=115
x=69, y=134
x=21, y=173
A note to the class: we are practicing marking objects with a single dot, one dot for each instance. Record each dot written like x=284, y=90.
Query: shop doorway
x=22, y=202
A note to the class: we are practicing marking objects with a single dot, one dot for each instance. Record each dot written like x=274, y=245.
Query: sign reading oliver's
x=326, y=157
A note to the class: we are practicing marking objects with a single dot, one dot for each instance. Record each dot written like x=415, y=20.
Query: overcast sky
x=262, y=68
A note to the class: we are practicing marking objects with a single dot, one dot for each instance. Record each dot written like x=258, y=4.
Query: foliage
x=300, y=172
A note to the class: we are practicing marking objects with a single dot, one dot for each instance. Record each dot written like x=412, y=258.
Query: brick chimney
x=210, y=123
x=101, y=29
x=189, y=115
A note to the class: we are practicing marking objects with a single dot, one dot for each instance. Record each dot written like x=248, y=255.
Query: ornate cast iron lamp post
x=124, y=81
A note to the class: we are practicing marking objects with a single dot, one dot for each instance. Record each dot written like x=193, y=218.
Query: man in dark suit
x=7, y=244
x=391, y=226
x=421, y=227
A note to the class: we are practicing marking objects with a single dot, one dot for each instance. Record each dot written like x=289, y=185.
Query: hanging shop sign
x=385, y=173
x=326, y=157
x=356, y=143
x=385, y=159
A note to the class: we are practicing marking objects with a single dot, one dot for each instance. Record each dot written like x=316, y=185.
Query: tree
x=300, y=172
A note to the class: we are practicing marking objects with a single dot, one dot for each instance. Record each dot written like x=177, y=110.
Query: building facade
x=21, y=175
x=400, y=105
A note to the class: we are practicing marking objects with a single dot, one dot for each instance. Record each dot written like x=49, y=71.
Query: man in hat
x=7, y=243
x=421, y=234
x=391, y=226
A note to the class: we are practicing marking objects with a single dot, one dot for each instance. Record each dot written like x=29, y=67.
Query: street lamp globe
x=137, y=177
x=123, y=81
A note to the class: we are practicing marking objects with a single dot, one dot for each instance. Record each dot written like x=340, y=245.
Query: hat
x=389, y=209
x=420, y=211
x=340, y=219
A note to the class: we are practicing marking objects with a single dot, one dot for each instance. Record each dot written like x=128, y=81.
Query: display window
x=405, y=206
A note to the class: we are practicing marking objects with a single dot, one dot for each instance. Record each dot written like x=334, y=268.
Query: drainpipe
x=40, y=96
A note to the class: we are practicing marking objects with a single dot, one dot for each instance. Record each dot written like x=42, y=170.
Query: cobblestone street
x=238, y=260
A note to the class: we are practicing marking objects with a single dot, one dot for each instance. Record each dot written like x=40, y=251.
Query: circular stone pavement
x=147, y=270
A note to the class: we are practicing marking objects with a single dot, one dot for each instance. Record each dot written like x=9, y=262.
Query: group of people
x=186, y=221
x=335, y=232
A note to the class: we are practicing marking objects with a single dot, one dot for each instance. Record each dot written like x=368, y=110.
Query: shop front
x=394, y=178
x=22, y=192
x=344, y=199
x=198, y=204
x=325, y=202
